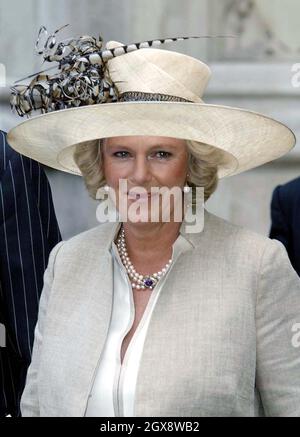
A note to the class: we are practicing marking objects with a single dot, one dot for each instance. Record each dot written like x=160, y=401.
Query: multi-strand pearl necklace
x=140, y=282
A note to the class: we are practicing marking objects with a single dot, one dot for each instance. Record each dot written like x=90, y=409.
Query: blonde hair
x=203, y=161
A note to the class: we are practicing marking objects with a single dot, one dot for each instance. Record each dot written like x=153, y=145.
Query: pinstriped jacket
x=28, y=231
x=221, y=340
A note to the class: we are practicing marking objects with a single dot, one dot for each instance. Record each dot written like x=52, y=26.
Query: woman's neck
x=150, y=242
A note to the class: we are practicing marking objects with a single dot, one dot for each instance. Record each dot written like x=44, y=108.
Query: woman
x=141, y=317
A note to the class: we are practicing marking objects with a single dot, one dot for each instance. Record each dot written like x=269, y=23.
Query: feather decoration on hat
x=82, y=77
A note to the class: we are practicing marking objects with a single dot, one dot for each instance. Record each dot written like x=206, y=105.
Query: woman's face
x=144, y=162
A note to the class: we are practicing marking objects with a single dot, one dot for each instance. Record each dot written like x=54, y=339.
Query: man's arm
x=28, y=232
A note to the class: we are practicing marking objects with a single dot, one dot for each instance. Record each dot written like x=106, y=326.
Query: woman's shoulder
x=99, y=237
x=232, y=234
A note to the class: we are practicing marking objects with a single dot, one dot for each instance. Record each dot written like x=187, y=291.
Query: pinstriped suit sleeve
x=277, y=317
x=42, y=191
x=30, y=399
x=28, y=232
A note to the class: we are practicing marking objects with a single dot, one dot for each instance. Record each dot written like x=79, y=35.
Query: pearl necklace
x=140, y=282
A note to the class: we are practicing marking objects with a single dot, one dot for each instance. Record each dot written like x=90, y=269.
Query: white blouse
x=113, y=390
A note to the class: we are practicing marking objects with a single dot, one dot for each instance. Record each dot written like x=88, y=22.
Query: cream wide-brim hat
x=246, y=139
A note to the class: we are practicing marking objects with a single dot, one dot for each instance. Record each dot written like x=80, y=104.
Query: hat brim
x=246, y=139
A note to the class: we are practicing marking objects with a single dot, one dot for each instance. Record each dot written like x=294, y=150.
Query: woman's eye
x=162, y=154
x=121, y=154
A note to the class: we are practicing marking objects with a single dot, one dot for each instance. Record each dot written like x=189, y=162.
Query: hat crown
x=159, y=71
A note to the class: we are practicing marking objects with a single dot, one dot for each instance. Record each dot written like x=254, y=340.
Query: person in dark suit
x=28, y=232
x=285, y=216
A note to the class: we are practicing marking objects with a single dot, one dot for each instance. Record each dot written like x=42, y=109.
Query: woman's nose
x=141, y=171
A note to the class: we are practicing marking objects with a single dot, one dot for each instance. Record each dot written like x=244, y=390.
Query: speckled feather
x=82, y=77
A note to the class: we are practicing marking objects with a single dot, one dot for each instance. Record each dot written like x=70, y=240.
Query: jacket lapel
x=90, y=305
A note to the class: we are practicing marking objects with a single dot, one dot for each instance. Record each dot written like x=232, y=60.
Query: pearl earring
x=186, y=188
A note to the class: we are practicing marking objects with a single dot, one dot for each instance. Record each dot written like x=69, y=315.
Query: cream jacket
x=222, y=339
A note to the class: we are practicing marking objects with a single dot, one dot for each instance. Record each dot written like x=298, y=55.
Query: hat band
x=135, y=96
